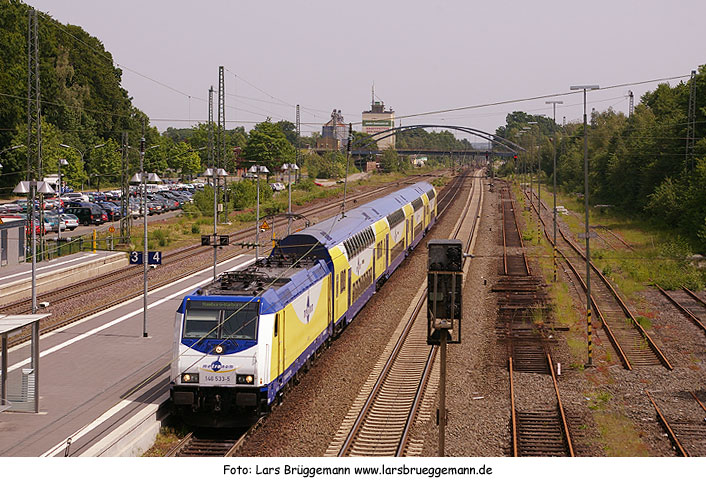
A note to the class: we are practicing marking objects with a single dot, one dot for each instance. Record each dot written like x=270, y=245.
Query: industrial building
x=377, y=119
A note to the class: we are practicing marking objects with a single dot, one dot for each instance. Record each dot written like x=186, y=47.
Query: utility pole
x=144, y=225
x=34, y=130
x=631, y=108
x=554, y=103
x=691, y=122
x=348, y=155
x=124, y=194
x=297, y=160
x=222, y=135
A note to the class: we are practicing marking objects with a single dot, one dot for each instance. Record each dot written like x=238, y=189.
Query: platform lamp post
x=142, y=177
x=257, y=170
x=62, y=162
x=554, y=104
x=215, y=173
x=289, y=168
x=589, y=327
x=31, y=188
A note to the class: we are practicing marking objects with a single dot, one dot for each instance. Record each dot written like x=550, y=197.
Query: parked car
x=277, y=186
x=111, y=210
x=70, y=220
x=53, y=223
x=87, y=213
x=11, y=208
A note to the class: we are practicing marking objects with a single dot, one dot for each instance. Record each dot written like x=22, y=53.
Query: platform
x=100, y=376
x=16, y=280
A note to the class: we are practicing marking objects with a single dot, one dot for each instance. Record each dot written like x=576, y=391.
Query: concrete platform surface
x=16, y=280
x=96, y=374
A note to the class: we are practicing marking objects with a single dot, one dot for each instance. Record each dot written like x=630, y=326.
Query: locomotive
x=241, y=340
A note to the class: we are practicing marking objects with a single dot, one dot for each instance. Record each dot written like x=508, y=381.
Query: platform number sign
x=135, y=257
x=153, y=257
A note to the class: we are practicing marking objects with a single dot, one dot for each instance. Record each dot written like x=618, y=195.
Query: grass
x=658, y=257
x=618, y=435
x=167, y=438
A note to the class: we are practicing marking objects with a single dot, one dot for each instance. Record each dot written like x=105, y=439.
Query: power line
x=538, y=97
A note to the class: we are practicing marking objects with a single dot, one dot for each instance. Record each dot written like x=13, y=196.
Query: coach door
x=408, y=240
x=279, y=334
x=350, y=288
x=387, y=251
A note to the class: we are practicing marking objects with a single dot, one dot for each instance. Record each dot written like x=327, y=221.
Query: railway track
x=115, y=278
x=209, y=444
x=683, y=417
x=538, y=428
x=223, y=445
x=632, y=343
x=379, y=424
x=688, y=303
x=543, y=430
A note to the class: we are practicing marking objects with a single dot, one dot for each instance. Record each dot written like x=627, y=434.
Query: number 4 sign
x=154, y=257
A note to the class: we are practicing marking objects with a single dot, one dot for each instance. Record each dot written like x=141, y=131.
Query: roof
x=335, y=230
x=9, y=323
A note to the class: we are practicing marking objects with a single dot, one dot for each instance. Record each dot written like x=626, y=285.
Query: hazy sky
x=421, y=55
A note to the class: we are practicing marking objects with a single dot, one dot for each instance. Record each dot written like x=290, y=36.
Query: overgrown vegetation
x=638, y=165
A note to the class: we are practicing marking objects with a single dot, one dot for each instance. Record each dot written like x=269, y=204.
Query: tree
x=268, y=146
x=106, y=162
x=390, y=161
x=289, y=130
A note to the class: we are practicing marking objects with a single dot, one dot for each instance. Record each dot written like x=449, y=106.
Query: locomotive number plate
x=218, y=379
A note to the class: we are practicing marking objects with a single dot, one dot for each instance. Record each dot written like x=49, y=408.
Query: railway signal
x=444, y=287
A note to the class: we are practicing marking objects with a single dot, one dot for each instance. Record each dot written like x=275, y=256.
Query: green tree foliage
x=332, y=165
x=390, y=161
x=637, y=164
x=268, y=146
x=80, y=87
x=419, y=138
x=244, y=193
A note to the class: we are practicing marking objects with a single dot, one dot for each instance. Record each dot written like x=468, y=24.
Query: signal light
x=224, y=240
x=205, y=240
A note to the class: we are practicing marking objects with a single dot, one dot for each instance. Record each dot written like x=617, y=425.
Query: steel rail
x=91, y=286
x=385, y=374
x=611, y=336
x=682, y=308
x=562, y=413
x=653, y=346
x=680, y=449
x=513, y=412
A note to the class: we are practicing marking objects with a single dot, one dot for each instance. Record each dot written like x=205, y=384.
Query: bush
x=304, y=185
x=196, y=228
x=162, y=236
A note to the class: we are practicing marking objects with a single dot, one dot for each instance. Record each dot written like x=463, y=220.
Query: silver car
x=71, y=221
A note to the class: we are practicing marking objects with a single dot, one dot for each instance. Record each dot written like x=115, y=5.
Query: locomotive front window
x=240, y=324
x=221, y=320
x=201, y=323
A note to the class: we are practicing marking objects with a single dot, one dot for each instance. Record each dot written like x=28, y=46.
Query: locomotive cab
x=217, y=348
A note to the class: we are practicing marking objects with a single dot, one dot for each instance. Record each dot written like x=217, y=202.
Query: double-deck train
x=242, y=339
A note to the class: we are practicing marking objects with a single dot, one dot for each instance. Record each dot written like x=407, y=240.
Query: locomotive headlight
x=245, y=379
x=190, y=378
x=219, y=349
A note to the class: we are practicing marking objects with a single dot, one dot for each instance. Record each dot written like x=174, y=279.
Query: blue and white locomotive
x=241, y=340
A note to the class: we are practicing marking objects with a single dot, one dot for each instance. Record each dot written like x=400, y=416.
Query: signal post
x=444, y=307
